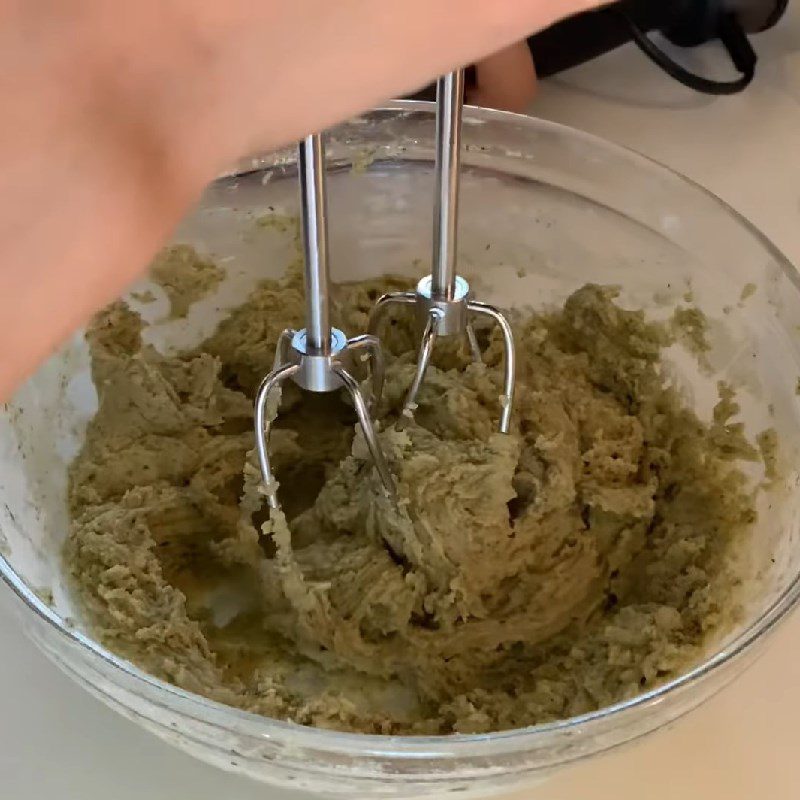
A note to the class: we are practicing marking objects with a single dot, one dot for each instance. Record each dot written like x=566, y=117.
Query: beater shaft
x=443, y=300
x=311, y=166
x=449, y=108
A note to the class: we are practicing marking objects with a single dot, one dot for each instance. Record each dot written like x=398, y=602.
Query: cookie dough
x=185, y=276
x=522, y=578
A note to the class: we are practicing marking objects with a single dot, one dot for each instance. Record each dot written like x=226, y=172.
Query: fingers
x=505, y=80
x=284, y=69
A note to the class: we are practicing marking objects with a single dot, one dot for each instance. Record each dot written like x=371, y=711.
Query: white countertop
x=56, y=741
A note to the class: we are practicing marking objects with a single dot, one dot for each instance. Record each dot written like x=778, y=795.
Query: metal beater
x=316, y=358
x=443, y=300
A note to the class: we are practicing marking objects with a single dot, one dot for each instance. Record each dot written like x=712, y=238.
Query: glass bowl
x=544, y=209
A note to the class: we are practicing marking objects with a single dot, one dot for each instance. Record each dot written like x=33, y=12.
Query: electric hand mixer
x=315, y=358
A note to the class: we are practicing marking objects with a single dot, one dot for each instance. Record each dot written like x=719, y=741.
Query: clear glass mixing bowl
x=544, y=210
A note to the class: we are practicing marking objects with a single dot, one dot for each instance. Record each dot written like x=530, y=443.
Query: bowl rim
x=447, y=746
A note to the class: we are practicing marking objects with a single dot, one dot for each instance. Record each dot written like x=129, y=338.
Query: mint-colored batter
x=580, y=560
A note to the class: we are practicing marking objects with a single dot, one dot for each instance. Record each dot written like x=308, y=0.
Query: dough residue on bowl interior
x=185, y=276
x=522, y=578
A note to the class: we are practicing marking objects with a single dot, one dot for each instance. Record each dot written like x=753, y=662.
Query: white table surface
x=56, y=741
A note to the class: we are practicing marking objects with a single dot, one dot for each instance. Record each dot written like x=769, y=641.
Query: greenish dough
x=522, y=578
x=185, y=276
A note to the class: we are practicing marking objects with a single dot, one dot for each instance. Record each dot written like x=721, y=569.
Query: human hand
x=117, y=114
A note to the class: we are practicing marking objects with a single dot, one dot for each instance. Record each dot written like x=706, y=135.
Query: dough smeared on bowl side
x=584, y=558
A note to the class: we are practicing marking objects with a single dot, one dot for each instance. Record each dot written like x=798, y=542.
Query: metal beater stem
x=311, y=164
x=449, y=112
